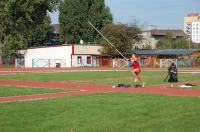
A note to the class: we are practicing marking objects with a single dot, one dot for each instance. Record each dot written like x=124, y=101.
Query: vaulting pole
x=107, y=40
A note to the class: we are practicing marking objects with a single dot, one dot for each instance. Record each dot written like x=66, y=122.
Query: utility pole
x=189, y=43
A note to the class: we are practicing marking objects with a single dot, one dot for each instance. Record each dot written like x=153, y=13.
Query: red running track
x=79, y=89
x=33, y=70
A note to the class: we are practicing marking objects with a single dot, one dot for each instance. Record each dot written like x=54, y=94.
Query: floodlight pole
x=189, y=42
x=107, y=40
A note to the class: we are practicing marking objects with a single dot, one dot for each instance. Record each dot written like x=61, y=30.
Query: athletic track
x=78, y=89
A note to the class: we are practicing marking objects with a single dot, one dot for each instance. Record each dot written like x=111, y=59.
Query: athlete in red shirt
x=136, y=70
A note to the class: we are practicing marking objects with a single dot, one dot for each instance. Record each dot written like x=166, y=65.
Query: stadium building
x=62, y=57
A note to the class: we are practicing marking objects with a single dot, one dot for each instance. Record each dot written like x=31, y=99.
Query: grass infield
x=108, y=112
x=99, y=77
x=15, y=91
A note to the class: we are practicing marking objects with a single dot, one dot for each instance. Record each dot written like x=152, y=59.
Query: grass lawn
x=61, y=76
x=14, y=91
x=74, y=75
x=108, y=112
x=150, y=77
x=6, y=66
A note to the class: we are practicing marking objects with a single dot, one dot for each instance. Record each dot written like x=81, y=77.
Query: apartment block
x=195, y=34
x=191, y=17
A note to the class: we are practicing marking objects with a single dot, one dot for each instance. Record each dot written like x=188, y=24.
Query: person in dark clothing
x=173, y=74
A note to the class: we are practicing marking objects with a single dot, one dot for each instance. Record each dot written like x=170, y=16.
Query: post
x=189, y=39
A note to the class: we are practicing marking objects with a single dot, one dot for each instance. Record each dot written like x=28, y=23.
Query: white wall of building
x=82, y=61
x=149, y=40
x=61, y=53
x=195, y=36
x=87, y=49
x=83, y=52
x=62, y=56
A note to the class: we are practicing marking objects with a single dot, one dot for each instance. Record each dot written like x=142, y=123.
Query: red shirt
x=136, y=65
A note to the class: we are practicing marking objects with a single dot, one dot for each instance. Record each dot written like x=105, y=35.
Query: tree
x=166, y=42
x=121, y=36
x=74, y=17
x=181, y=43
x=3, y=21
x=38, y=35
x=19, y=17
x=11, y=45
x=169, y=43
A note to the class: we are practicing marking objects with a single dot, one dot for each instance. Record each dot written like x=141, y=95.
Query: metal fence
x=19, y=62
x=120, y=63
x=179, y=62
x=116, y=63
x=185, y=62
x=48, y=63
x=167, y=62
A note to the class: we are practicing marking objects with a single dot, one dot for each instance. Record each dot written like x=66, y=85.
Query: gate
x=19, y=62
x=120, y=63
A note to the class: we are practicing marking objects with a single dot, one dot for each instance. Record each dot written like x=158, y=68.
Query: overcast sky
x=165, y=14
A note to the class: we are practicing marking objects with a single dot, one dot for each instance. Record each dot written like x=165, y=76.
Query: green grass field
x=111, y=112
x=14, y=91
x=105, y=112
x=99, y=77
x=60, y=76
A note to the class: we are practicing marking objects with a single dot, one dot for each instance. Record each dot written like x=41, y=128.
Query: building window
x=89, y=60
x=79, y=59
x=136, y=47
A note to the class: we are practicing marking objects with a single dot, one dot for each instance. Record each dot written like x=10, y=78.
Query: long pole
x=189, y=43
x=166, y=77
x=107, y=40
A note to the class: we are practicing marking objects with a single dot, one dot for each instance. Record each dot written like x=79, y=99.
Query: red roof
x=163, y=32
x=193, y=14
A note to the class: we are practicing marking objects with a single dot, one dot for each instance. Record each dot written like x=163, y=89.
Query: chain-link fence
x=48, y=63
x=120, y=63
x=19, y=62
x=167, y=62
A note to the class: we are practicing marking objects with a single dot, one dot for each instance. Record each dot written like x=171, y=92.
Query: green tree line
x=168, y=42
x=74, y=17
x=22, y=21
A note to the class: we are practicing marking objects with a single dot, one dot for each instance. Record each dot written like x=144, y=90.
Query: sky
x=165, y=14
